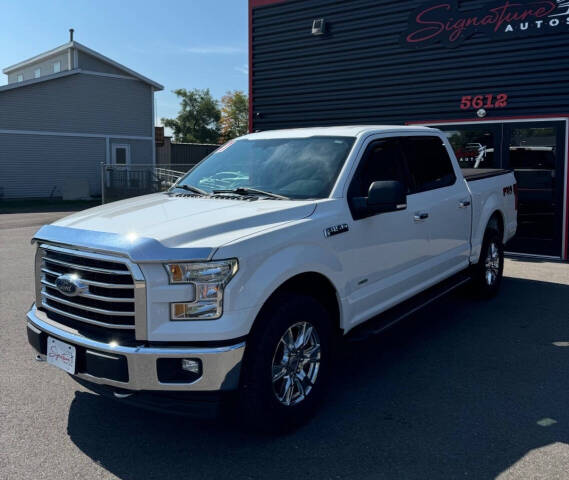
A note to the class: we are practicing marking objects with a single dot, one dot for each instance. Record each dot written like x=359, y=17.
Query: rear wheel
x=286, y=363
x=487, y=273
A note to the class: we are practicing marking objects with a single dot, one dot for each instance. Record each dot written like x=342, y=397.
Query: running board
x=394, y=315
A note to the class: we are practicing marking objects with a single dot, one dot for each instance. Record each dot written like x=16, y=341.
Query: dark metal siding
x=360, y=73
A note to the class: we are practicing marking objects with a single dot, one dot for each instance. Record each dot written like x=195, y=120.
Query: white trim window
x=57, y=67
x=37, y=73
x=120, y=160
x=20, y=77
x=120, y=154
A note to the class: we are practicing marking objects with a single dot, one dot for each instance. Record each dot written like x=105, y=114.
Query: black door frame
x=524, y=121
x=560, y=172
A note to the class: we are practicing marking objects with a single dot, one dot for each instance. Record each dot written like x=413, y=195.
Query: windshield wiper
x=191, y=188
x=251, y=191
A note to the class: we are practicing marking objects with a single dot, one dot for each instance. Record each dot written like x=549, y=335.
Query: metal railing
x=119, y=182
x=168, y=176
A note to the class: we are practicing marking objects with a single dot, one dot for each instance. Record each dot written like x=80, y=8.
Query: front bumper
x=136, y=368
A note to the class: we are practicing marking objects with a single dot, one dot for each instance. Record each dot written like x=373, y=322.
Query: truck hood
x=174, y=222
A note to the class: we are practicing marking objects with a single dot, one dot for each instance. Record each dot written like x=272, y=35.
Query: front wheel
x=487, y=273
x=286, y=363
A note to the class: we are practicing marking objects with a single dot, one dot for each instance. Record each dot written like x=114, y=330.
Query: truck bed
x=492, y=189
x=473, y=174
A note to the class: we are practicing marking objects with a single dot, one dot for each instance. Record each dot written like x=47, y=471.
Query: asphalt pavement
x=463, y=389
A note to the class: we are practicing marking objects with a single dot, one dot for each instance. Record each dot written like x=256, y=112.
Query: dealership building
x=492, y=74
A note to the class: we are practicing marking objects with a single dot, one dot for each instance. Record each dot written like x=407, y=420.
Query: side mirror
x=383, y=197
x=386, y=196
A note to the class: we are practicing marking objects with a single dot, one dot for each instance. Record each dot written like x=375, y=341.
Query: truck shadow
x=464, y=388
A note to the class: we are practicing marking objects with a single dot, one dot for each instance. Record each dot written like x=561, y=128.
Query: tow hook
x=39, y=358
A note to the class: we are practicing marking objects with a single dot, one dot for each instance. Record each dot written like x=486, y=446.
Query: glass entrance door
x=536, y=153
x=475, y=146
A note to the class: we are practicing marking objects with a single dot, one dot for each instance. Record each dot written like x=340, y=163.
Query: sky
x=179, y=44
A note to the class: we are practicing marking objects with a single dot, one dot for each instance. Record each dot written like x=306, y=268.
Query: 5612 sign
x=489, y=100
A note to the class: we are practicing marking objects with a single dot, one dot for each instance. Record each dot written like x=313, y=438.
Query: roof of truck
x=346, y=131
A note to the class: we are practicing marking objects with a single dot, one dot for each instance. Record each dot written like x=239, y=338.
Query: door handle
x=464, y=204
x=420, y=216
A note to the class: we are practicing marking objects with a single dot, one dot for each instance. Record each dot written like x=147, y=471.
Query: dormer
x=71, y=56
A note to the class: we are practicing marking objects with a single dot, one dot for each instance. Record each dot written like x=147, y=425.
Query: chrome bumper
x=220, y=365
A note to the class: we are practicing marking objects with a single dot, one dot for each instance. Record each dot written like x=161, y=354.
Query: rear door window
x=429, y=163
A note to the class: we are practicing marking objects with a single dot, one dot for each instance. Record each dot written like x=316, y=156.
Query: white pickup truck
x=240, y=278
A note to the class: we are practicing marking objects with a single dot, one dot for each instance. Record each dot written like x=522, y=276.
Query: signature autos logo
x=442, y=21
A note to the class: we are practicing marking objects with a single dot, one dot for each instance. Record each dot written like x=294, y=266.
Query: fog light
x=191, y=365
x=179, y=370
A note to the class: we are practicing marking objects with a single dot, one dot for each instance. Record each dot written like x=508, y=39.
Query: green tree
x=198, y=119
x=234, y=115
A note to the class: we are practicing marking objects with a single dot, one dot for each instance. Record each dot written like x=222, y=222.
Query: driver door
x=388, y=250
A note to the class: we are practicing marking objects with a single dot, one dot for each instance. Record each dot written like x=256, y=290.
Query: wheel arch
x=496, y=220
x=314, y=284
x=491, y=214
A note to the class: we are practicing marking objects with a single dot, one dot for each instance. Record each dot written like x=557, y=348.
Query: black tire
x=258, y=403
x=487, y=273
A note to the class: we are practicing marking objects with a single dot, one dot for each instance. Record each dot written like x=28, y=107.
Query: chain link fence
x=120, y=181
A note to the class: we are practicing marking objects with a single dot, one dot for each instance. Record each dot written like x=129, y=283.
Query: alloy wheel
x=492, y=264
x=296, y=363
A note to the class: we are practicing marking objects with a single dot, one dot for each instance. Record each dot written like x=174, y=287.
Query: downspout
x=152, y=99
x=250, y=66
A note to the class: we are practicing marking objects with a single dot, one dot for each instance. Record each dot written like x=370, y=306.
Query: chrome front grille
x=109, y=304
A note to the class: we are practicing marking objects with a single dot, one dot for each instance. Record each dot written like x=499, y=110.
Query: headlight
x=210, y=279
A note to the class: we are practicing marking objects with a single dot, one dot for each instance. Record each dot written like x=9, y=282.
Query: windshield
x=298, y=168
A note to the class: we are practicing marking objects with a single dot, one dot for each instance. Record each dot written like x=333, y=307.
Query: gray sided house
x=65, y=112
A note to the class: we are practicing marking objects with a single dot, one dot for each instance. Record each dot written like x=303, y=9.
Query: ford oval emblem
x=70, y=285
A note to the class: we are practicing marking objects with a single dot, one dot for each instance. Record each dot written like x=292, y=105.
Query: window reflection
x=474, y=148
x=532, y=157
x=532, y=148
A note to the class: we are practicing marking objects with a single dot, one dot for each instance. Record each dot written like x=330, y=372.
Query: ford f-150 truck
x=243, y=275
